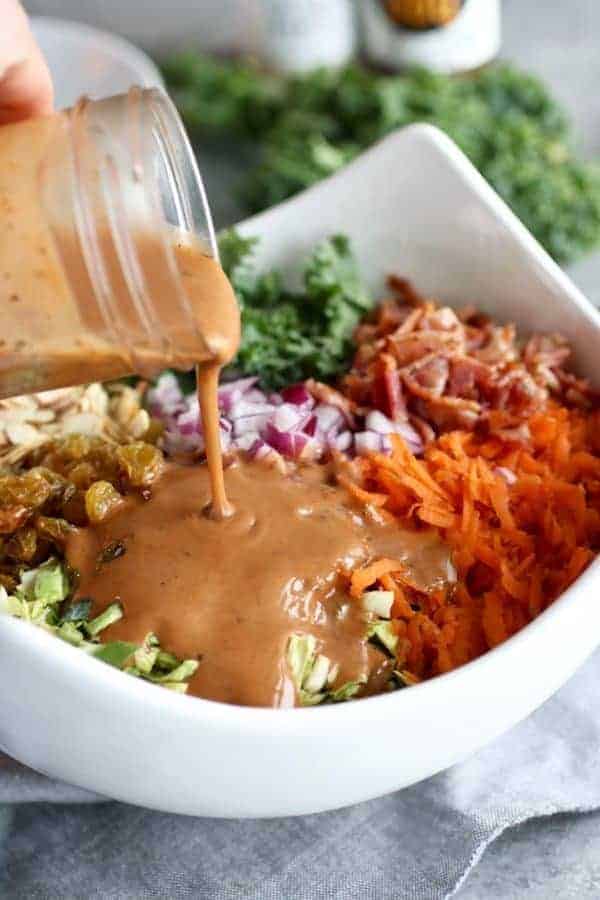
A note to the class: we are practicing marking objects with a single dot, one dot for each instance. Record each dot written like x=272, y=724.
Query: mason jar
x=98, y=204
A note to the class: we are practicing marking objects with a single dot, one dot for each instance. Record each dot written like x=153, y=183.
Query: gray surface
x=557, y=857
x=416, y=844
x=552, y=857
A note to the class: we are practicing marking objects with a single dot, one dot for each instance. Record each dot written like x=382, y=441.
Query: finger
x=25, y=82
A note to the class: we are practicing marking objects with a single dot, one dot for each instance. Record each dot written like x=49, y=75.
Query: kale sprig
x=291, y=335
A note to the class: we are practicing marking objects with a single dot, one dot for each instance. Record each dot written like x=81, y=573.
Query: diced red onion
x=243, y=408
x=248, y=441
x=288, y=417
x=230, y=392
x=367, y=442
x=329, y=418
x=343, y=441
x=240, y=385
x=291, y=423
x=262, y=451
x=311, y=426
x=376, y=421
x=254, y=422
x=189, y=422
x=255, y=395
x=297, y=394
x=411, y=437
x=187, y=428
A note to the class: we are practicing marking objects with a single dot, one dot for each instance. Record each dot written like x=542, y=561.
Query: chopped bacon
x=396, y=407
x=468, y=378
x=442, y=318
x=551, y=350
x=576, y=391
x=409, y=348
x=448, y=413
x=405, y=291
x=441, y=370
x=324, y=393
x=428, y=377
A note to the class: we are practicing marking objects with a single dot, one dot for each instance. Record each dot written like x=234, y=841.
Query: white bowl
x=412, y=204
x=91, y=62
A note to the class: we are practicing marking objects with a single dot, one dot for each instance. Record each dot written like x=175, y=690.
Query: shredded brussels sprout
x=41, y=598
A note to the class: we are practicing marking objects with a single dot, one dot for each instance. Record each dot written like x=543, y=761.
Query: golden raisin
x=55, y=530
x=141, y=463
x=22, y=545
x=101, y=500
x=29, y=489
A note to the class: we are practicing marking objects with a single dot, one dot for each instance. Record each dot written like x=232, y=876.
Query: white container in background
x=469, y=40
x=304, y=34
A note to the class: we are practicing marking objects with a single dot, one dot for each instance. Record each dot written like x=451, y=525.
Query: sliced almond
x=82, y=423
x=41, y=415
x=20, y=433
x=96, y=399
x=138, y=426
x=127, y=406
x=59, y=398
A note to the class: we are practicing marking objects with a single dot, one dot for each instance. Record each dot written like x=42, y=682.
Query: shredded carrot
x=401, y=608
x=363, y=578
x=522, y=524
x=366, y=497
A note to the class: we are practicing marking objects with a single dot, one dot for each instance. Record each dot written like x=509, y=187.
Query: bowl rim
x=263, y=721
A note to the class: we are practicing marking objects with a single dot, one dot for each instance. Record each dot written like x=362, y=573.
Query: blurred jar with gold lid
x=443, y=35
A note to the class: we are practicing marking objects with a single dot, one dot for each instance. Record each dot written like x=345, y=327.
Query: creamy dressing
x=230, y=593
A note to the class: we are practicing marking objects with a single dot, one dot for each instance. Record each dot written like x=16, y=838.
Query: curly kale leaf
x=288, y=336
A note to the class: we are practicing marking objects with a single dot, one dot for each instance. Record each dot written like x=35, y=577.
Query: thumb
x=25, y=83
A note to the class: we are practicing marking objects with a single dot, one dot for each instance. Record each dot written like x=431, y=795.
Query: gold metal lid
x=422, y=14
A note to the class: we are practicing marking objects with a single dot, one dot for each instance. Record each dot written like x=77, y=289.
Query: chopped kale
x=288, y=336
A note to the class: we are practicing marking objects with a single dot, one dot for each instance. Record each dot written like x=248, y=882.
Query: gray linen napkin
x=417, y=844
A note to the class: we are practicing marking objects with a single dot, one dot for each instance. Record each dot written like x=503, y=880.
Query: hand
x=25, y=83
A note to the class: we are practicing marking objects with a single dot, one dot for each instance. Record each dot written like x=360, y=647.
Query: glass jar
x=97, y=203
